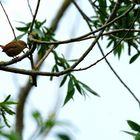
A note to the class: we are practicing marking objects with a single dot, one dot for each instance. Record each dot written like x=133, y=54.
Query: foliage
x=131, y=21
x=136, y=128
x=9, y=135
x=74, y=84
x=120, y=33
x=45, y=34
x=5, y=109
x=44, y=126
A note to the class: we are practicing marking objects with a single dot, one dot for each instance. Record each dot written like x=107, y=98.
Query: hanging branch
x=104, y=56
x=8, y=20
x=30, y=8
x=26, y=91
x=34, y=80
x=34, y=16
x=99, y=35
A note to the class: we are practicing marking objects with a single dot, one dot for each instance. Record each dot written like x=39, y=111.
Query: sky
x=90, y=117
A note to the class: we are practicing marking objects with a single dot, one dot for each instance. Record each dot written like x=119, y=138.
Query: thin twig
x=30, y=8
x=104, y=57
x=59, y=14
x=44, y=57
x=24, y=95
x=98, y=36
x=34, y=80
x=34, y=16
x=31, y=72
x=13, y=61
x=83, y=37
x=8, y=20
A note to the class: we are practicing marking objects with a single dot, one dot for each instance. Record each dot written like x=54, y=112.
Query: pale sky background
x=90, y=118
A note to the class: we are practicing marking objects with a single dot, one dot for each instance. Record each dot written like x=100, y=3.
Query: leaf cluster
x=75, y=85
x=5, y=109
x=103, y=9
x=40, y=31
x=45, y=125
x=61, y=63
x=12, y=135
x=135, y=127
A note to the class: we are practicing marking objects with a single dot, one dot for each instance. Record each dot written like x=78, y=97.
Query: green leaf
x=63, y=137
x=89, y=89
x=23, y=29
x=63, y=81
x=38, y=118
x=134, y=58
x=70, y=91
x=20, y=36
x=60, y=62
x=134, y=126
x=130, y=133
x=102, y=10
x=7, y=110
x=38, y=24
x=49, y=123
x=118, y=49
x=54, y=69
x=7, y=98
x=109, y=43
x=8, y=103
x=137, y=137
x=4, y=118
x=77, y=85
x=10, y=136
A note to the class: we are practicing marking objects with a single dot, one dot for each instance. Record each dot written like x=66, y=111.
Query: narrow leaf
x=134, y=126
x=77, y=85
x=130, y=133
x=137, y=136
x=7, y=98
x=7, y=110
x=70, y=91
x=22, y=29
x=63, y=81
x=89, y=89
x=63, y=136
x=134, y=58
x=20, y=36
x=4, y=118
x=8, y=103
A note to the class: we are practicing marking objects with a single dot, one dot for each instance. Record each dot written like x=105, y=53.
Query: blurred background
x=87, y=117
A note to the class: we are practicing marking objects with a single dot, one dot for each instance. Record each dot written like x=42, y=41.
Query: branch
x=30, y=8
x=24, y=95
x=65, y=5
x=82, y=38
x=34, y=16
x=8, y=21
x=44, y=57
x=17, y=59
x=100, y=33
x=104, y=56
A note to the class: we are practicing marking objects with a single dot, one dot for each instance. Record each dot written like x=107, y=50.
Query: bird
x=13, y=48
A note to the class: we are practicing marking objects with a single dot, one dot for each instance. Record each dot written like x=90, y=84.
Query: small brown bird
x=14, y=48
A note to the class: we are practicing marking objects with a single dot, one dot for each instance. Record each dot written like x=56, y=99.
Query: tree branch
x=8, y=21
x=104, y=56
x=23, y=96
x=100, y=33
